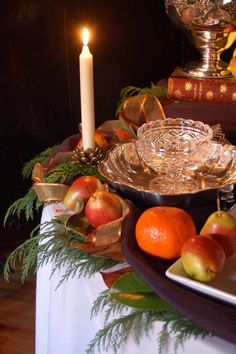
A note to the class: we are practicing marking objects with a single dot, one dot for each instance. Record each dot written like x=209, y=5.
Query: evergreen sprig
x=68, y=170
x=52, y=243
x=104, y=303
x=125, y=321
x=29, y=203
x=25, y=205
x=64, y=172
x=41, y=158
x=115, y=333
x=159, y=91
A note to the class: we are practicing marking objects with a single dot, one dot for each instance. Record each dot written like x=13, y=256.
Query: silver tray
x=124, y=171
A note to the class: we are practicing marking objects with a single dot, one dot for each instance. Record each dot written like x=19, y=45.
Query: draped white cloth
x=64, y=326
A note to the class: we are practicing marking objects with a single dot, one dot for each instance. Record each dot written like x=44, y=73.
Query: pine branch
x=114, y=334
x=63, y=172
x=105, y=304
x=139, y=322
x=42, y=157
x=25, y=205
x=66, y=171
x=80, y=264
x=21, y=252
x=100, y=303
x=159, y=91
x=179, y=328
x=85, y=170
x=52, y=243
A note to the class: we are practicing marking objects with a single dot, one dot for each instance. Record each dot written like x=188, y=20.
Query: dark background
x=133, y=43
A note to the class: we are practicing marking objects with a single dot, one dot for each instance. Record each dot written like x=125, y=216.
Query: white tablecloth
x=64, y=326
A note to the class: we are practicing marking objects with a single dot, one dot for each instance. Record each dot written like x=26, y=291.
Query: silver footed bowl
x=124, y=171
x=209, y=25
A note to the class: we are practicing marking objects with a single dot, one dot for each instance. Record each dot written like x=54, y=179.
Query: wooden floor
x=17, y=315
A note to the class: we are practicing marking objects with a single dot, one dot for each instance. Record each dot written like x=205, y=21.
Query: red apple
x=202, y=258
x=227, y=242
x=219, y=222
x=81, y=190
x=103, y=207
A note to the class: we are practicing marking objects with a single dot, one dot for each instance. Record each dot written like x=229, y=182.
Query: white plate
x=223, y=287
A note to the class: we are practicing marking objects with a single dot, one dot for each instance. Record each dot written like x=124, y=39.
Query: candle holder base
x=90, y=157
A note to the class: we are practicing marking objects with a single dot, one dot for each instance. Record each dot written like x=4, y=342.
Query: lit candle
x=87, y=94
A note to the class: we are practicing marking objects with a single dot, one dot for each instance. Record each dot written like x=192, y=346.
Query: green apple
x=219, y=222
x=202, y=258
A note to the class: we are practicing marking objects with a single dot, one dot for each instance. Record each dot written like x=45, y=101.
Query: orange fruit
x=162, y=231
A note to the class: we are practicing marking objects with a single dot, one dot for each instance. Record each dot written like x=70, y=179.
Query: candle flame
x=85, y=36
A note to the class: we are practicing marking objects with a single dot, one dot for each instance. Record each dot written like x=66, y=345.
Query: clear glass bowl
x=171, y=147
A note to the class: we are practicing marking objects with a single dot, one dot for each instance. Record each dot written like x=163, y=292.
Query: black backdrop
x=133, y=43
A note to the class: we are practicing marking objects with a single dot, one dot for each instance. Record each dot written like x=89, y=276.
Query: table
x=63, y=324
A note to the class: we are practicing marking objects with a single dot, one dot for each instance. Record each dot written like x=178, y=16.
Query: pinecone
x=89, y=156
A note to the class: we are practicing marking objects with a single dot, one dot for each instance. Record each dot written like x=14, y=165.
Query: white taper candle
x=87, y=94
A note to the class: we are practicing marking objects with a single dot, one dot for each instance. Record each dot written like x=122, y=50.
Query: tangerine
x=162, y=231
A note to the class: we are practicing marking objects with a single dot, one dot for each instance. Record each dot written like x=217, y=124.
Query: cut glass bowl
x=171, y=147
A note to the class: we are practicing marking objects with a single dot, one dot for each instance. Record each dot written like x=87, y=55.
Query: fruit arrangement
x=96, y=215
x=204, y=256
x=80, y=191
x=87, y=194
x=162, y=231
x=170, y=233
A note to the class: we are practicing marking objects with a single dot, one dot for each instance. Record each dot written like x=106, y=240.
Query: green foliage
x=117, y=332
x=104, y=303
x=130, y=289
x=51, y=242
x=68, y=170
x=125, y=321
x=41, y=158
x=159, y=91
x=63, y=172
x=29, y=203
x=25, y=205
x=132, y=130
